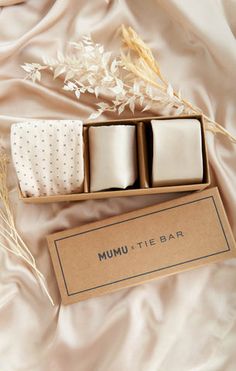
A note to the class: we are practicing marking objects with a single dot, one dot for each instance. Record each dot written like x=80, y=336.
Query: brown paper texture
x=136, y=247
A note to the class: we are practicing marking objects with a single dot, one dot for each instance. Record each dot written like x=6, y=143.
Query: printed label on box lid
x=138, y=246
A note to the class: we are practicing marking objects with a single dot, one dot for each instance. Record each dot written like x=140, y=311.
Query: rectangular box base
x=144, y=181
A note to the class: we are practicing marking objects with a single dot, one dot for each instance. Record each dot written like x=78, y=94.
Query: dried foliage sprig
x=131, y=80
x=10, y=238
x=144, y=65
x=88, y=68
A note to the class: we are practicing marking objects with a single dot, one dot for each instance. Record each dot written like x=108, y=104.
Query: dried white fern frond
x=33, y=71
x=87, y=68
x=10, y=239
x=133, y=80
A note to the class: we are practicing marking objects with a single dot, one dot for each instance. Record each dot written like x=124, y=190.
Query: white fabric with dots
x=48, y=156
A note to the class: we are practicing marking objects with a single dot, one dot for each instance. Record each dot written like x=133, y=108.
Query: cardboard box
x=143, y=187
x=142, y=245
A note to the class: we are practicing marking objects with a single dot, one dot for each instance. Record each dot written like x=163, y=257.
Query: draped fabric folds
x=185, y=322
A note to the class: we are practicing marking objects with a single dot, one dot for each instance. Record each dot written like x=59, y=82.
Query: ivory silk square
x=113, y=157
x=48, y=156
x=177, y=152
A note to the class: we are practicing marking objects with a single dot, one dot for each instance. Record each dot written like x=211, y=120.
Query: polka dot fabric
x=48, y=156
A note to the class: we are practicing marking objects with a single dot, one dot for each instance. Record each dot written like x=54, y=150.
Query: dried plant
x=88, y=68
x=144, y=65
x=10, y=238
x=131, y=80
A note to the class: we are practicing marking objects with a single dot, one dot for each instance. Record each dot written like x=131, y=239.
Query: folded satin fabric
x=113, y=157
x=177, y=152
x=48, y=156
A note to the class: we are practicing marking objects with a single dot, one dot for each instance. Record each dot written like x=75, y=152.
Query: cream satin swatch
x=177, y=152
x=113, y=157
x=48, y=156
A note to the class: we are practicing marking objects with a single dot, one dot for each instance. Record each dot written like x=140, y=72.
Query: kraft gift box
x=143, y=185
x=140, y=246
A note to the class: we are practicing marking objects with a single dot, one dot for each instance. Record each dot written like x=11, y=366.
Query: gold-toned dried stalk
x=10, y=238
x=130, y=80
x=145, y=66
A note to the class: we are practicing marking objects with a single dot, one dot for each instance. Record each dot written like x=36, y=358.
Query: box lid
x=142, y=245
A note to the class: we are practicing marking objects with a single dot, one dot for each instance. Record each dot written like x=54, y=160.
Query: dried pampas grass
x=10, y=238
x=144, y=66
x=130, y=80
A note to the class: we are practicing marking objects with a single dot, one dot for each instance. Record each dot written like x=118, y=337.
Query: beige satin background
x=180, y=323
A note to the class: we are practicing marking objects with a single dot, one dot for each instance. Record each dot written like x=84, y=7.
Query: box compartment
x=142, y=125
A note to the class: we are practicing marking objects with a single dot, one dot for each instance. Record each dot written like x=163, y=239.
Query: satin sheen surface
x=177, y=152
x=186, y=322
x=113, y=157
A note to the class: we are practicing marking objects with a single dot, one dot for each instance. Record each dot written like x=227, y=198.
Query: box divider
x=86, y=160
x=142, y=156
x=206, y=170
